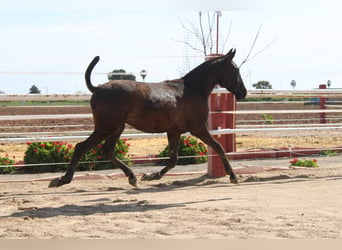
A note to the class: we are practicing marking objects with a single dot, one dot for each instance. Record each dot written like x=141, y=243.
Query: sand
x=270, y=205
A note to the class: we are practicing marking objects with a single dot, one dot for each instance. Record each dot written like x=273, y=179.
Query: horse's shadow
x=103, y=208
x=199, y=181
x=107, y=205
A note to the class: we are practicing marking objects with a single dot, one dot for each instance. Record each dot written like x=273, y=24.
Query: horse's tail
x=88, y=73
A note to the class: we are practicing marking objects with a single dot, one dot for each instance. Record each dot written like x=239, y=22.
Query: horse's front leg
x=173, y=150
x=207, y=138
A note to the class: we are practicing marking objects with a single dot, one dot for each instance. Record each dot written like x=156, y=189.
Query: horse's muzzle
x=241, y=95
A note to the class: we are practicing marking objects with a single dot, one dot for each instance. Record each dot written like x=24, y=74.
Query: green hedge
x=55, y=156
x=188, y=146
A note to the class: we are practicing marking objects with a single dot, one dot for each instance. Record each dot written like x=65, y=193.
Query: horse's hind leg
x=173, y=150
x=108, y=150
x=80, y=149
x=206, y=137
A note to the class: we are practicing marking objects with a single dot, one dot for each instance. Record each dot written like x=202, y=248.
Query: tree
x=120, y=74
x=143, y=74
x=262, y=85
x=34, y=90
x=203, y=35
x=202, y=38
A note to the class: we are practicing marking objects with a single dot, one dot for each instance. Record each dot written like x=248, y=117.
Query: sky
x=50, y=43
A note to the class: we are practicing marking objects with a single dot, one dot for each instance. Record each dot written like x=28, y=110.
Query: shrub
x=329, y=153
x=267, y=118
x=6, y=161
x=304, y=163
x=61, y=152
x=188, y=146
x=48, y=152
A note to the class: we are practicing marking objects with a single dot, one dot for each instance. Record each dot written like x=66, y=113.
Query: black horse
x=173, y=107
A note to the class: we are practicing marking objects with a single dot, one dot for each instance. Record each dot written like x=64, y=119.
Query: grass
x=42, y=103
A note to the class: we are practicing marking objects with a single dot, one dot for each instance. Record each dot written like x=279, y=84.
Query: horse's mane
x=199, y=68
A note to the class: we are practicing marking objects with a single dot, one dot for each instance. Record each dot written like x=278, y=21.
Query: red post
x=322, y=105
x=217, y=103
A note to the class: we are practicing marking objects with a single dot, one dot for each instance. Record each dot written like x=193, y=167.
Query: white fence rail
x=80, y=116
x=323, y=93
x=80, y=135
x=158, y=135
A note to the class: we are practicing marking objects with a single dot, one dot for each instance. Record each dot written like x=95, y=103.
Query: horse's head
x=228, y=75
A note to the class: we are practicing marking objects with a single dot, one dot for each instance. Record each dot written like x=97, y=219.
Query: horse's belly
x=157, y=123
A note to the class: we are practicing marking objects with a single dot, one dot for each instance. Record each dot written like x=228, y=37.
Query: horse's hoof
x=151, y=177
x=55, y=183
x=133, y=181
x=234, y=180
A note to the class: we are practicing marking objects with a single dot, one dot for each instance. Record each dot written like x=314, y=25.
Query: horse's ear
x=230, y=55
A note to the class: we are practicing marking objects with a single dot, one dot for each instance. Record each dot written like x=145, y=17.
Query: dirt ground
x=299, y=204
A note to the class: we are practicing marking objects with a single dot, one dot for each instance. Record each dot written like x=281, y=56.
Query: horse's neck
x=200, y=84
